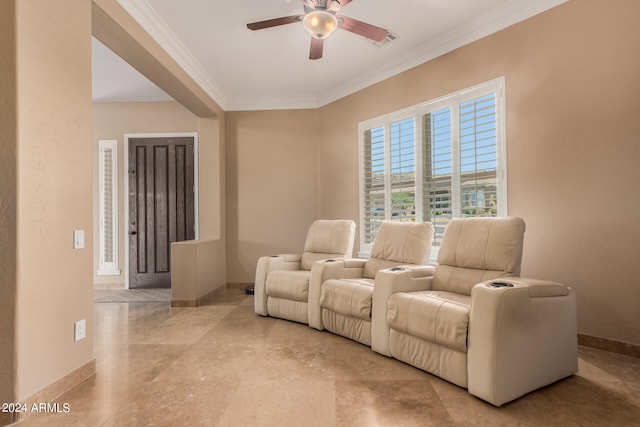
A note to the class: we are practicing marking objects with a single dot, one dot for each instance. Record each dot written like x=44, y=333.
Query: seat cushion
x=349, y=297
x=435, y=316
x=291, y=285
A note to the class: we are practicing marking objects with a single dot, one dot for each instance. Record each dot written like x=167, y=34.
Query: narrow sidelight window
x=108, y=206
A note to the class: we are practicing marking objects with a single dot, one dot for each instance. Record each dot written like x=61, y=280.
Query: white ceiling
x=269, y=69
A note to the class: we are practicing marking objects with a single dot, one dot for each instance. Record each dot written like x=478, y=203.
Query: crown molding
x=288, y=103
x=484, y=25
x=153, y=24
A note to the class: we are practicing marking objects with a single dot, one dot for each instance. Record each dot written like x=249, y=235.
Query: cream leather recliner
x=475, y=325
x=349, y=301
x=282, y=281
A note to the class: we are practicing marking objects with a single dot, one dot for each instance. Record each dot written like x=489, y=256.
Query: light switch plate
x=78, y=239
x=79, y=330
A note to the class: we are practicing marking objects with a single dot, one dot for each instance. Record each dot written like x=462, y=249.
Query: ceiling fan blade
x=343, y=3
x=317, y=46
x=274, y=22
x=363, y=29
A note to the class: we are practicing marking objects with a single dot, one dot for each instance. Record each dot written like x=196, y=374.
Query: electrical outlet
x=79, y=330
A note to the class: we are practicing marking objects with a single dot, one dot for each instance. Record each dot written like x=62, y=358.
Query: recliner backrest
x=399, y=243
x=328, y=239
x=477, y=249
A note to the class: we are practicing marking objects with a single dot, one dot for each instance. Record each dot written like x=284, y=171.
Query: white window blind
x=478, y=156
x=373, y=181
x=435, y=161
x=402, y=170
x=108, y=207
x=437, y=170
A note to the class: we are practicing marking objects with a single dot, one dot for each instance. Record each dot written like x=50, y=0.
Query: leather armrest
x=537, y=288
x=499, y=291
x=389, y=281
x=289, y=257
x=322, y=271
x=522, y=335
x=354, y=263
x=267, y=264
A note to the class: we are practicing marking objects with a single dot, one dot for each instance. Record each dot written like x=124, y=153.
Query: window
x=108, y=207
x=435, y=161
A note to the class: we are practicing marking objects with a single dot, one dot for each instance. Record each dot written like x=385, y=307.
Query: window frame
x=453, y=101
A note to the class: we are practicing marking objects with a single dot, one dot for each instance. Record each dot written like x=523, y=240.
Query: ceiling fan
x=320, y=19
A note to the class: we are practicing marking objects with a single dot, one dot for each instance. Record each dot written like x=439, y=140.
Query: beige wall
x=197, y=269
x=211, y=204
x=573, y=147
x=272, y=185
x=53, y=287
x=211, y=170
x=117, y=30
x=45, y=165
x=111, y=121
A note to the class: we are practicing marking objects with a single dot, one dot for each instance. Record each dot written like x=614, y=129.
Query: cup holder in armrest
x=397, y=269
x=498, y=284
x=330, y=260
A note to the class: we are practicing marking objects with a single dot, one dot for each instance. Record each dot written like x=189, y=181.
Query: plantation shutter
x=478, y=157
x=437, y=170
x=373, y=182
x=402, y=170
x=456, y=146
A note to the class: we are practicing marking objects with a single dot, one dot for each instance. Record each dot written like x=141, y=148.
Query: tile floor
x=221, y=365
x=132, y=295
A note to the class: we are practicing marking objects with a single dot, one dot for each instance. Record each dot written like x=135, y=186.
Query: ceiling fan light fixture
x=320, y=24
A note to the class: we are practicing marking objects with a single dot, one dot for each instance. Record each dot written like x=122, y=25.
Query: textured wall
x=212, y=178
x=54, y=191
x=573, y=147
x=272, y=185
x=112, y=120
x=45, y=169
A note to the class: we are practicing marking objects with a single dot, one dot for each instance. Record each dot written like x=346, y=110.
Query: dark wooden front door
x=161, y=206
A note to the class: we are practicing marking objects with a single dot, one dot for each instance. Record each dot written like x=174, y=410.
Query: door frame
x=125, y=228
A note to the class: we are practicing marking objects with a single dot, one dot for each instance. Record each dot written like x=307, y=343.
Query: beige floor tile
x=222, y=365
x=281, y=403
x=388, y=403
